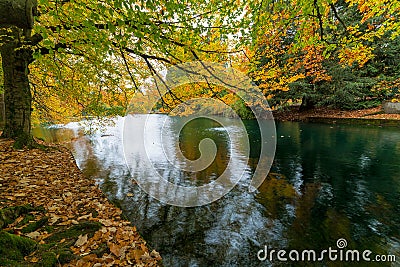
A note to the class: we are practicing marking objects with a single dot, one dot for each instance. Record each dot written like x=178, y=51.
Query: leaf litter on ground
x=68, y=203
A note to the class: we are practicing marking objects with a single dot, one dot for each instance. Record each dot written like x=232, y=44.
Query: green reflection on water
x=342, y=182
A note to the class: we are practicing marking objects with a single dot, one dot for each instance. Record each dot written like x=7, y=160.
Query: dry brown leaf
x=33, y=235
x=137, y=254
x=82, y=239
x=17, y=221
x=155, y=254
x=84, y=217
x=115, y=249
x=64, y=223
x=53, y=219
x=105, y=222
x=34, y=260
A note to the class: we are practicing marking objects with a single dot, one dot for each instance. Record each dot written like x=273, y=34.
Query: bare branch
x=128, y=69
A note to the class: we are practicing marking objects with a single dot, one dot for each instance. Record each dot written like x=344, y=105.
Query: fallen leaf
x=105, y=222
x=64, y=223
x=54, y=218
x=155, y=254
x=115, y=249
x=82, y=239
x=33, y=235
x=137, y=254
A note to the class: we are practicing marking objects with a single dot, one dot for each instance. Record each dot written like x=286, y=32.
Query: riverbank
x=328, y=115
x=51, y=215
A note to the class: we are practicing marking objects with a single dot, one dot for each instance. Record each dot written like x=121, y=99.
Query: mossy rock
x=27, y=218
x=72, y=233
x=8, y=215
x=65, y=256
x=13, y=248
x=49, y=259
x=35, y=225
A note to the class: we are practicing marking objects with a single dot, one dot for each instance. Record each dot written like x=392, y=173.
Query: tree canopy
x=90, y=57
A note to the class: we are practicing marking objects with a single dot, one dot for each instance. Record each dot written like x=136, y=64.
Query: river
x=327, y=183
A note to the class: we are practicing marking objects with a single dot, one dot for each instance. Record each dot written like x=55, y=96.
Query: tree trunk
x=19, y=13
x=307, y=103
x=17, y=94
x=16, y=55
x=2, y=117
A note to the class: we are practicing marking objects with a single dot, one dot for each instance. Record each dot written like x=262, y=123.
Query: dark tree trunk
x=307, y=103
x=2, y=117
x=17, y=94
x=19, y=13
x=16, y=54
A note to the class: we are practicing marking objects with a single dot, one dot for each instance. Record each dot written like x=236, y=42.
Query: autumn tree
x=319, y=51
x=89, y=55
x=86, y=57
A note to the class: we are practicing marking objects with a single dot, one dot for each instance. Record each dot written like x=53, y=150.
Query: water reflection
x=155, y=157
x=327, y=182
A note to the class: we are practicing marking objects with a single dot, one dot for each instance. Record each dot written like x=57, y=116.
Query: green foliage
x=242, y=110
x=95, y=56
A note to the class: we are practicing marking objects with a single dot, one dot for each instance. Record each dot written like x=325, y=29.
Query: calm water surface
x=327, y=182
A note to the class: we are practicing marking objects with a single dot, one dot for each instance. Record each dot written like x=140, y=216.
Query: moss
x=49, y=228
x=8, y=215
x=116, y=202
x=22, y=140
x=102, y=249
x=14, y=248
x=26, y=140
x=35, y=225
x=94, y=212
x=73, y=232
x=49, y=259
x=65, y=256
x=25, y=220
